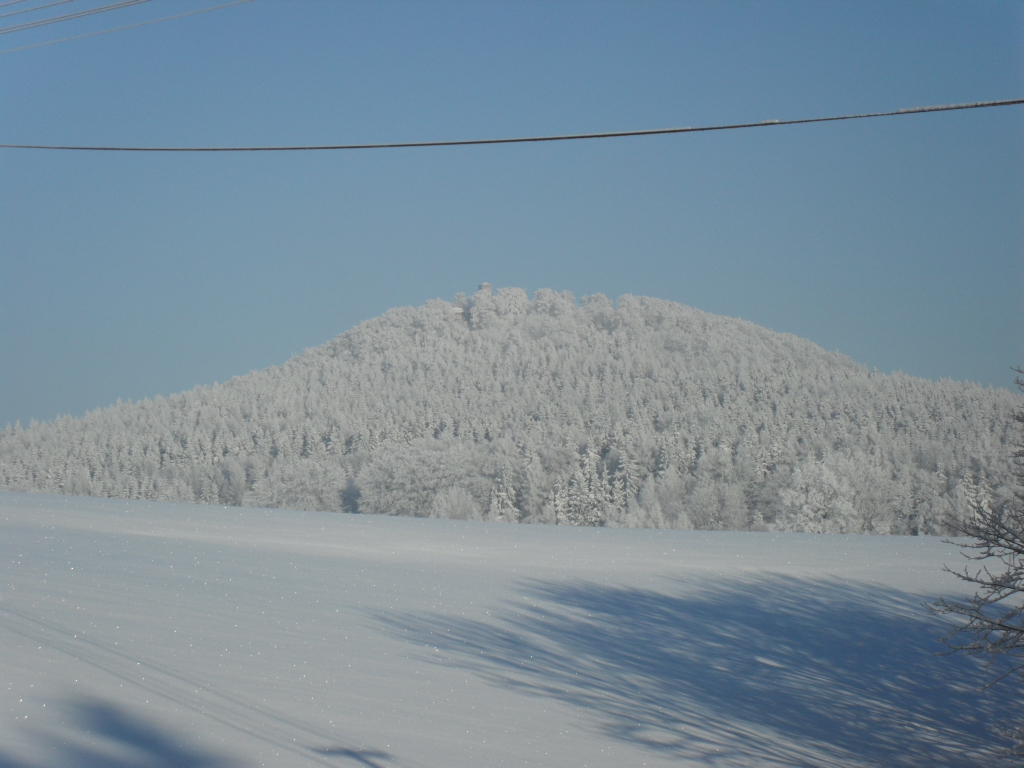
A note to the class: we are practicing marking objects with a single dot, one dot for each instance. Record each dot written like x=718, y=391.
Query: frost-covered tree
x=991, y=622
x=640, y=412
x=503, y=505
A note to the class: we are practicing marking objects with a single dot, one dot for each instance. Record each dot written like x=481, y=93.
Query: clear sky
x=897, y=241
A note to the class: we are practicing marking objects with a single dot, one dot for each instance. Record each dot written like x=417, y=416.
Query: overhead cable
x=69, y=16
x=127, y=26
x=30, y=10
x=527, y=139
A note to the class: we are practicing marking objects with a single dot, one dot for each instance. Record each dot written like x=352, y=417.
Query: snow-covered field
x=149, y=634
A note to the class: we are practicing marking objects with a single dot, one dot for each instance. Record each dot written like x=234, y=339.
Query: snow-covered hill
x=137, y=634
x=640, y=413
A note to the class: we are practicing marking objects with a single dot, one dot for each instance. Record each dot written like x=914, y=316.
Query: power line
x=127, y=26
x=69, y=16
x=11, y=2
x=30, y=10
x=524, y=140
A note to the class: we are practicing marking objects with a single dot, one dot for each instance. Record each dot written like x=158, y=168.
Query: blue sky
x=897, y=241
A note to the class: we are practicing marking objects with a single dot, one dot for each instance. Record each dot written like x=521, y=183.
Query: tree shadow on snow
x=98, y=734
x=766, y=671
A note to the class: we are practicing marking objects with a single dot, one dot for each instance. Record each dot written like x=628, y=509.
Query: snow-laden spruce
x=640, y=413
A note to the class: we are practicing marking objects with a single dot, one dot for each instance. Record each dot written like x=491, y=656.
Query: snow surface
x=152, y=634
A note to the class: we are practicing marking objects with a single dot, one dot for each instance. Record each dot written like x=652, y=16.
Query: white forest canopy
x=640, y=413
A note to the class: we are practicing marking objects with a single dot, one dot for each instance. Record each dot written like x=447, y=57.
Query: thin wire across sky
x=67, y=16
x=115, y=29
x=526, y=139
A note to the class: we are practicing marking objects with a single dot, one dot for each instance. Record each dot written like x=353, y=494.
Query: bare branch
x=993, y=618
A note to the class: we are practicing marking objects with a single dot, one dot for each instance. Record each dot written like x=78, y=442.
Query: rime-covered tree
x=641, y=412
x=991, y=622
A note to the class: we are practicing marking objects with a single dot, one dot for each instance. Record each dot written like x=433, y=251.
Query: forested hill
x=644, y=413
